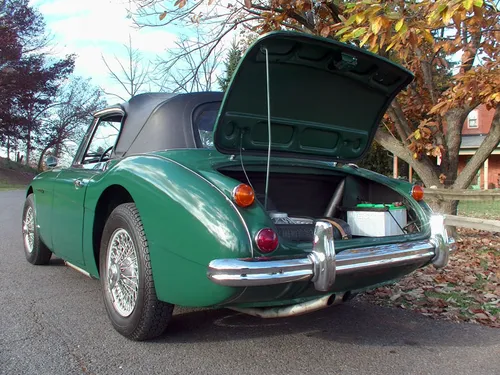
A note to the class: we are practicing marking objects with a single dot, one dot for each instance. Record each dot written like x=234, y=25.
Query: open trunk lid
x=327, y=98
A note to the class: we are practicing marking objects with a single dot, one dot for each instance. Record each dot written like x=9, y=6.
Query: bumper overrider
x=322, y=265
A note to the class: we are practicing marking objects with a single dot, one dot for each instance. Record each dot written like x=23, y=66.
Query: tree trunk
x=489, y=144
x=42, y=154
x=455, y=119
x=429, y=172
x=443, y=207
x=57, y=149
x=424, y=168
x=28, y=145
x=8, y=147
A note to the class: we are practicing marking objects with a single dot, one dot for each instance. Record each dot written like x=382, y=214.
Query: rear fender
x=187, y=221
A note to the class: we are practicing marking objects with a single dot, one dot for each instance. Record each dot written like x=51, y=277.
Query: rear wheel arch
x=111, y=197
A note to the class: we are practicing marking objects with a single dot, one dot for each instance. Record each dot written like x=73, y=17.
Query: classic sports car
x=247, y=200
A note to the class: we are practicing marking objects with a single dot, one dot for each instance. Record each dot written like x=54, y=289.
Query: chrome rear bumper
x=322, y=265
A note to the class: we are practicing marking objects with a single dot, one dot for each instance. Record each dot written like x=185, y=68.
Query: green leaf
x=343, y=30
x=394, y=15
x=350, y=21
x=447, y=15
x=468, y=4
x=404, y=29
x=358, y=32
x=416, y=134
x=391, y=45
x=478, y=3
x=428, y=36
x=399, y=24
x=364, y=40
x=376, y=25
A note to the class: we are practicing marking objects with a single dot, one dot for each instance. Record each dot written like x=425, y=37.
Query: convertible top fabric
x=159, y=121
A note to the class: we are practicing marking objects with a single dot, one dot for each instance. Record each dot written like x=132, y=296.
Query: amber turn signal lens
x=417, y=192
x=243, y=195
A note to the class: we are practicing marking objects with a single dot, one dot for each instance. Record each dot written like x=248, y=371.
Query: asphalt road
x=52, y=321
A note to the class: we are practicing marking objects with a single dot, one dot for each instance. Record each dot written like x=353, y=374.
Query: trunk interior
x=359, y=206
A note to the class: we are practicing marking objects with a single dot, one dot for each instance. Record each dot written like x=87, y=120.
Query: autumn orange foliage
x=452, y=46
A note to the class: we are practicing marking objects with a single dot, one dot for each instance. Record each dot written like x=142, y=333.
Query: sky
x=95, y=28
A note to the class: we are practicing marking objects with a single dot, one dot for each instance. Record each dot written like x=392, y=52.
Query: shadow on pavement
x=353, y=323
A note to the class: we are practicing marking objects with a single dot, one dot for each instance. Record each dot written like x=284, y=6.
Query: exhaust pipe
x=293, y=310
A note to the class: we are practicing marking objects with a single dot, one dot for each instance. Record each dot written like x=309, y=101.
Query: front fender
x=187, y=221
x=42, y=187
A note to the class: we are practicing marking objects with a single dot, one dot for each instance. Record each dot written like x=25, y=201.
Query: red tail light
x=417, y=192
x=267, y=240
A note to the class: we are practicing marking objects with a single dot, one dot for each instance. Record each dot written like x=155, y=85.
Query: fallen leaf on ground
x=466, y=290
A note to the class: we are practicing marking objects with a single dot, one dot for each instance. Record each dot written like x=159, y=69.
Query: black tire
x=37, y=253
x=149, y=317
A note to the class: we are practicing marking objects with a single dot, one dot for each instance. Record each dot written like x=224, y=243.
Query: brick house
x=474, y=130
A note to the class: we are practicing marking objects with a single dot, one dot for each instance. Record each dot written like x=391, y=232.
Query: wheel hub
x=114, y=275
x=29, y=229
x=122, y=272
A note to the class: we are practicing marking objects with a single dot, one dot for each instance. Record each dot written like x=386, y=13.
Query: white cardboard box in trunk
x=377, y=223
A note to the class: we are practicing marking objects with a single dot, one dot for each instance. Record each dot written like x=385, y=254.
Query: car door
x=71, y=184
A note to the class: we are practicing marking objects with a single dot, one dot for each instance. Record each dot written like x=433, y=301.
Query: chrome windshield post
x=323, y=256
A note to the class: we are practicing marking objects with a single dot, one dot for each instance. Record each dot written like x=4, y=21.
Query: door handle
x=78, y=183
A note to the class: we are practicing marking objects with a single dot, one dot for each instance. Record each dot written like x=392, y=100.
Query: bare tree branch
x=191, y=66
x=132, y=76
x=424, y=170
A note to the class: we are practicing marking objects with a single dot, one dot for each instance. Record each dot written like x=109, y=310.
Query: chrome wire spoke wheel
x=29, y=229
x=128, y=289
x=122, y=272
x=35, y=250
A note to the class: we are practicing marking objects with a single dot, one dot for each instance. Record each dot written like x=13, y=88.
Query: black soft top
x=159, y=121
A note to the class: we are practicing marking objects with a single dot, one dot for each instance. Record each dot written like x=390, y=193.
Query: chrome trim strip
x=439, y=237
x=236, y=272
x=353, y=260
x=90, y=132
x=108, y=111
x=76, y=268
x=259, y=279
x=323, y=256
x=321, y=266
x=245, y=272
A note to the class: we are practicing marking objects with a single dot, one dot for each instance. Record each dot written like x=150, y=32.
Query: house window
x=472, y=120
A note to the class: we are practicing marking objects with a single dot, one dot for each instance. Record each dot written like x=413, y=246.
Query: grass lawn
x=4, y=186
x=14, y=175
x=485, y=210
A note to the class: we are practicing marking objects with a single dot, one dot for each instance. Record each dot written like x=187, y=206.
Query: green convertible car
x=247, y=200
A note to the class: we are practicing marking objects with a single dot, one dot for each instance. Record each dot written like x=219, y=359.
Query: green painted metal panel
x=326, y=98
x=67, y=213
x=189, y=220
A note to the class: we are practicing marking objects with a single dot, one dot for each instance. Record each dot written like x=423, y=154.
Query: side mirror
x=51, y=161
